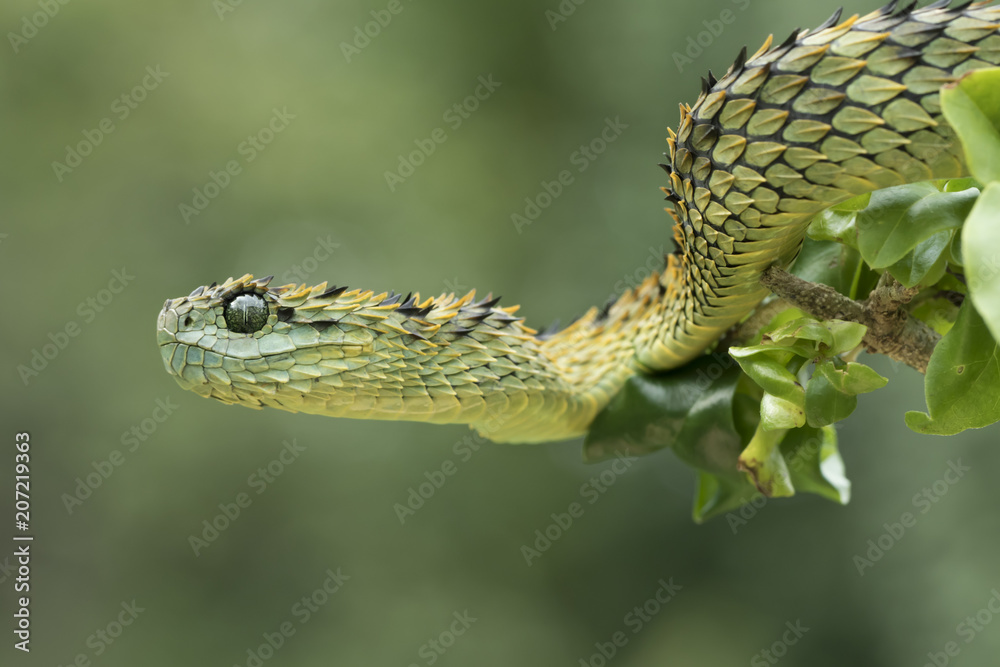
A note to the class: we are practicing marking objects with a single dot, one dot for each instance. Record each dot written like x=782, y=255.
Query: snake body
x=831, y=113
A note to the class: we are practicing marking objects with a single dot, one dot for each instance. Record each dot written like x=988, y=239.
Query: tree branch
x=891, y=330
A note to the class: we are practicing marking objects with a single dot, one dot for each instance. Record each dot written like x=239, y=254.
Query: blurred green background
x=316, y=197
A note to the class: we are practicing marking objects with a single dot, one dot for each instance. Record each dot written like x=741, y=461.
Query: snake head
x=342, y=353
x=287, y=347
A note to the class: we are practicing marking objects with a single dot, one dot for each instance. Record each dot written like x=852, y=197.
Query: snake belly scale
x=831, y=113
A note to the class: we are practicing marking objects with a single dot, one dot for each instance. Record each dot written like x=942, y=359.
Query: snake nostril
x=187, y=321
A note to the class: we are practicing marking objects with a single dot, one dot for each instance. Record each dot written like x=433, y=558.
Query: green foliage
x=981, y=252
x=963, y=379
x=973, y=110
x=759, y=418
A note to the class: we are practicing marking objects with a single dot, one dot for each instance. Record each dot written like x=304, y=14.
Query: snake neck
x=829, y=114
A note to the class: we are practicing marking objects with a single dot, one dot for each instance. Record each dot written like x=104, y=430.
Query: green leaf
x=959, y=184
x=764, y=365
x=853, y=378
x=962, y=387
x=804, y=328
x=648, y=413
x=777, y=413
x=832, y=264
x=846, y=335
x=814, y=463
x=899, y=218
x=938, y=313
x=825, y=404
x=854, y=203
x=714, y=495
x=726, y=488
x=972, y=108
x=838, y=226
x=981, y=250
x=763, y=463
x=926, y=264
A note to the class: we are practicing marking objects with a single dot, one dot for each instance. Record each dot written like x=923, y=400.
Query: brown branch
x=891, y=330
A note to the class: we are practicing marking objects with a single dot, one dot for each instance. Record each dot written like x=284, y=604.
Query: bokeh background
x=317, y=198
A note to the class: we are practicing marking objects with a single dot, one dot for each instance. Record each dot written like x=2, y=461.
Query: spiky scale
x=946, y=52
x=839, y=149
x=729, y=148
x=747, y=179
x=702, y=168
x=766, y=122
x=818, y=101
x=782, y=88
x=923, y=80
x=857, y=44
x=765, y=199
x=891, y=60
x=802, y=58
x=703, y=137
x=872, y=90
x=969, y=29
x=737, y=202
x=836, y=70
x=915, y=33
x=881, y=140
x=702, y=197
x=904, y=115
x=711, y=105
x=781, y=175
x=824, y=173
x=720, y=182
x=750, y=81
x=856, y=120
x=989, y=50
x=736, y=113
x=805, y=131
x=802, y=158
x=763, y=153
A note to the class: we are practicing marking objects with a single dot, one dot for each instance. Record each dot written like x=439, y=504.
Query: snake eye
x=246, y=314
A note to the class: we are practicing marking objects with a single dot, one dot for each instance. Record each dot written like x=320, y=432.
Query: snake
x=845, y=109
